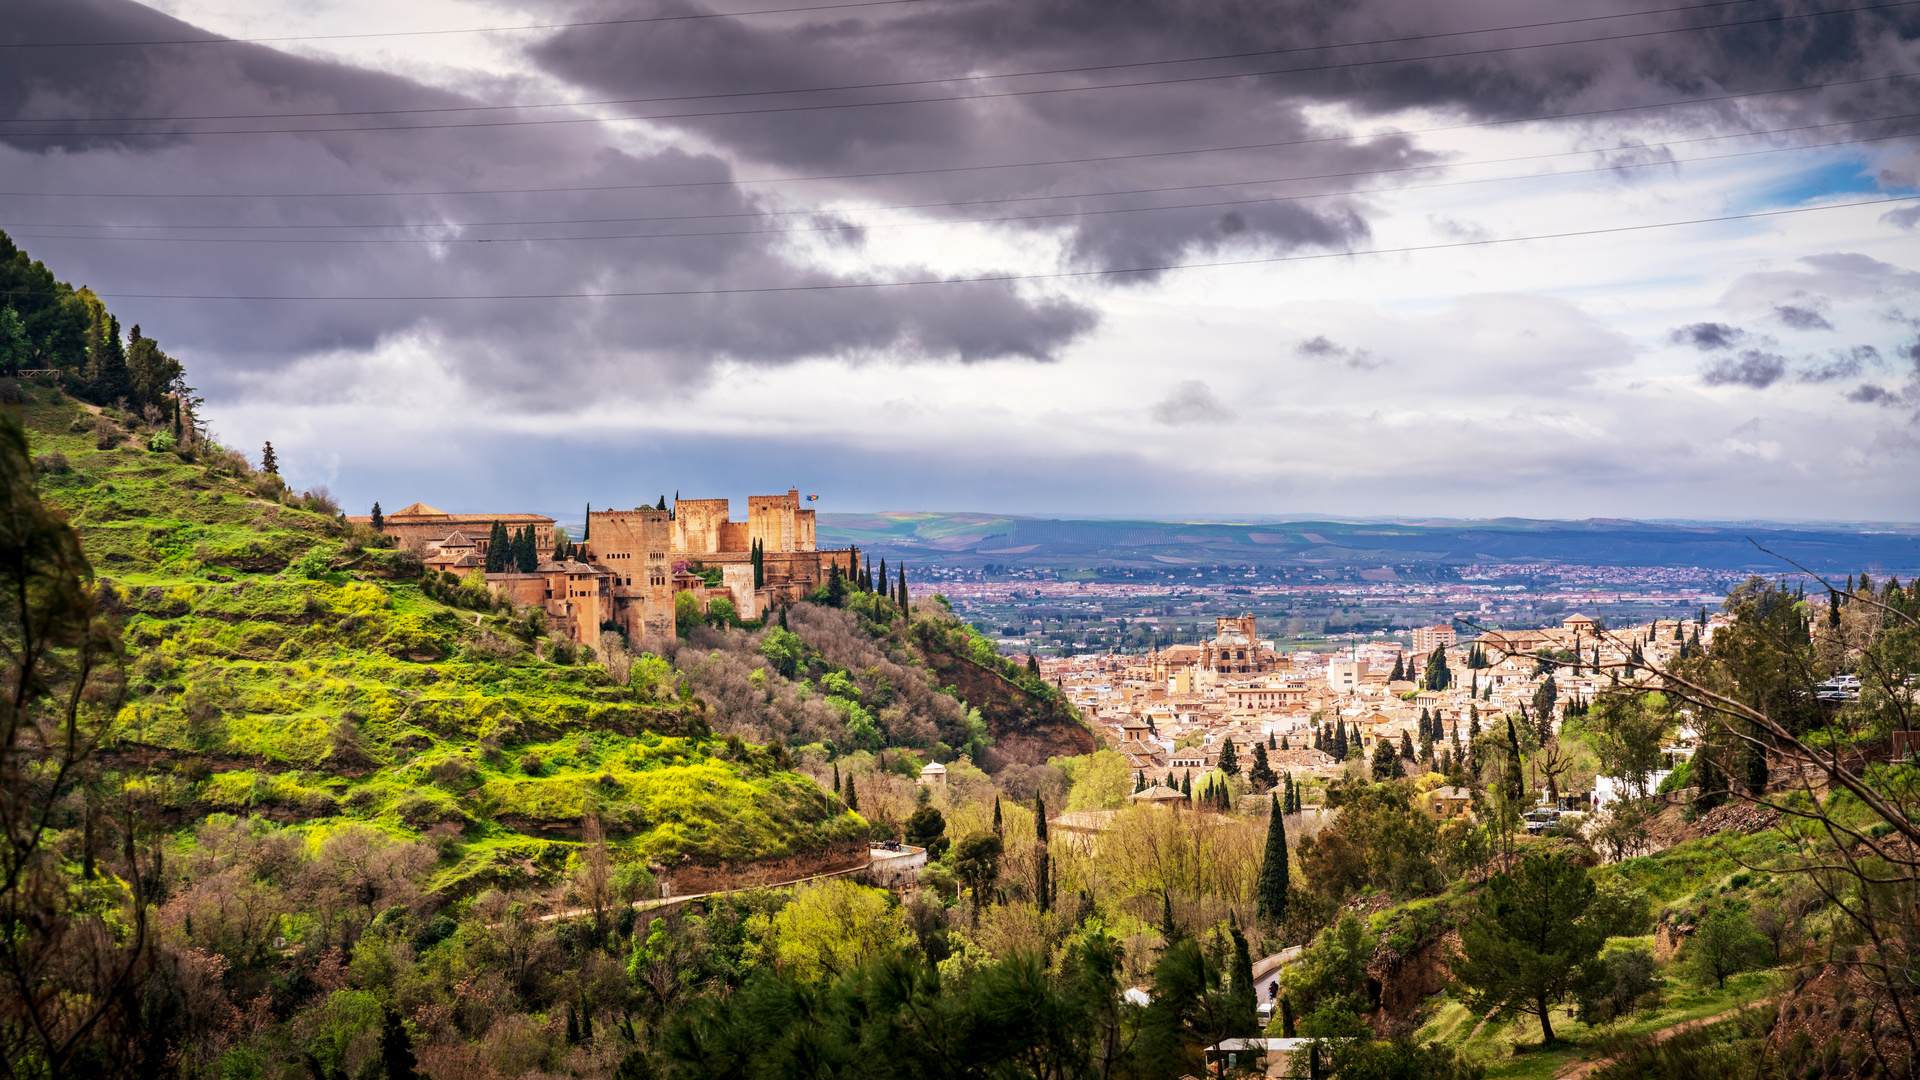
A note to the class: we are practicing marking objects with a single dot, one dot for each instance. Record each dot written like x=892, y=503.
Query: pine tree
x=268, y=463
x=379, y=519
x=1271, y=892
x=1229, y=761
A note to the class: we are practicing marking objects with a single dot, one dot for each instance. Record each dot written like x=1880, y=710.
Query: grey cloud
x=1801, y=318
x=1190, y=402
x=1707, y=336
x=1903, y=218
x=1178, y=105
x=534, y=352
x=1841, y=364
x=1871, y=394
x=1323, y=348
x=1751, y=368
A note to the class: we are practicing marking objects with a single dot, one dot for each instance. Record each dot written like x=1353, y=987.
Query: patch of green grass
x=1511, y=1049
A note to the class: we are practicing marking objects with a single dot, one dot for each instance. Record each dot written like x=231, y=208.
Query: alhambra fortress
x=629, y=565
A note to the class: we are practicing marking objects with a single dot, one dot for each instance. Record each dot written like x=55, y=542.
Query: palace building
x=629, y=565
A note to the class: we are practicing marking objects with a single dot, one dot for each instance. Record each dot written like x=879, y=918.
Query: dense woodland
x=275, y=803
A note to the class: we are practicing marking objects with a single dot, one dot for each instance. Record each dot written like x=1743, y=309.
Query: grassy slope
x=1680, y=880
x=353, y=696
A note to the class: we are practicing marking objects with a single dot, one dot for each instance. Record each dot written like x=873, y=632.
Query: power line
x=1212, y=204
x=459, y=30
x=1003, y=278
x=767, y=110
x=898, y=83
x=999, y=200
x=949, y=169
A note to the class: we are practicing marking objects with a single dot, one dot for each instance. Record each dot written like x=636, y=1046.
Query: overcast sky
x=1374, y=257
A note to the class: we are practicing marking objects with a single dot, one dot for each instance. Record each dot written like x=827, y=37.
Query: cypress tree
x=853, y=797
x=1515, y=782
x=1243, y=1012
x=997, y=829
x=1406, y=746
x=1286, y=1019
x=1261, y=774
x=1340, y=742
x=1283, y=743
x=1043, y=885
x=1139, y=781
x=396, y=1047
x=1271, y=892
x=379, y=519
x=1186, y=784
x=498, y=547
x=1229, y=761
x=586, y=531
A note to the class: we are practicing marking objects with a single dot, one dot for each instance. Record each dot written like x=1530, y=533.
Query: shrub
x=321, y=501
x=1610, y=987
x=1725, y=944
x=532, y=765
x=162, y=442
x=53, y=463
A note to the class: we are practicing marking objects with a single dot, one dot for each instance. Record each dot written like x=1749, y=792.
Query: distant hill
x=971, y=539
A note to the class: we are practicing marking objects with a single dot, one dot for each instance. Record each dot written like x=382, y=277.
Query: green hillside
x=280, y=665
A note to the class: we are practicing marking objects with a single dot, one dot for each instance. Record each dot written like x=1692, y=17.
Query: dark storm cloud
x=1149, y=211
x=1751, y=368
x=1483, y=78
x=534, y=351
x=1707, y=336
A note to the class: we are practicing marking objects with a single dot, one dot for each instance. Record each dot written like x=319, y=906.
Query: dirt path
x=669, y=901
x=1581, y=1070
